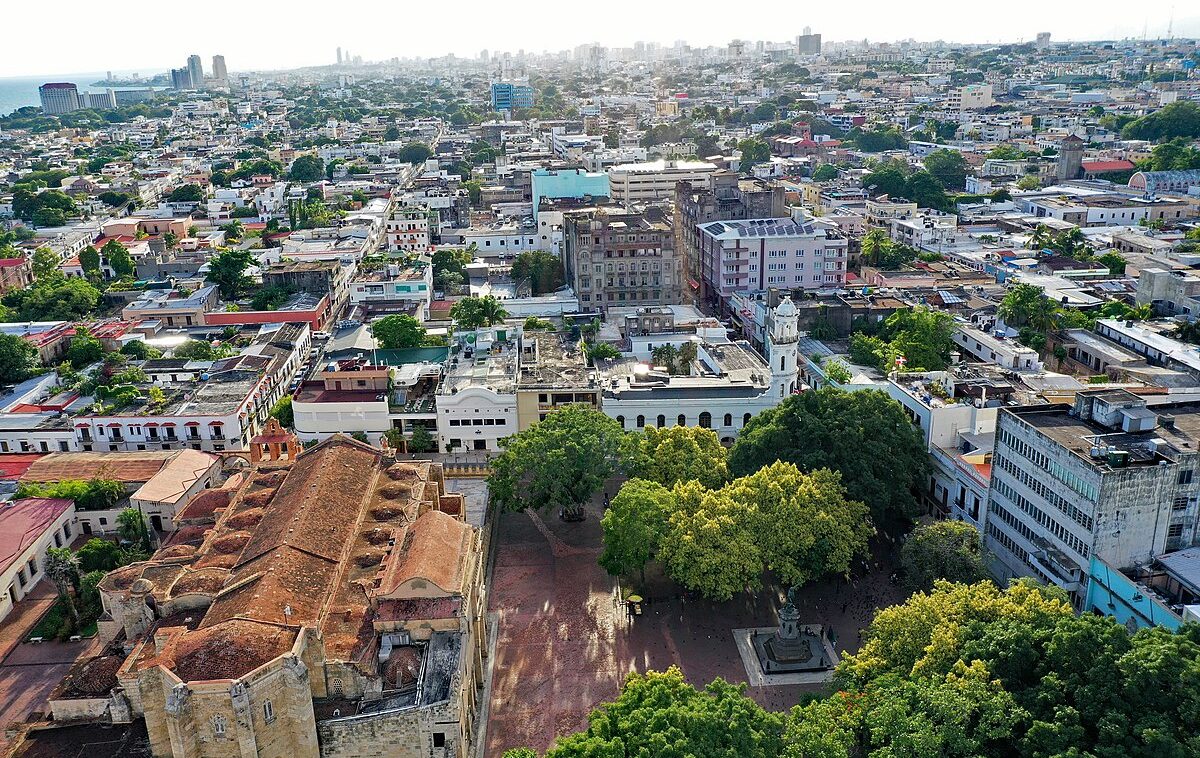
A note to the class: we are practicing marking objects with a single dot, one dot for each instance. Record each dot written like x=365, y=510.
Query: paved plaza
x=565, y=643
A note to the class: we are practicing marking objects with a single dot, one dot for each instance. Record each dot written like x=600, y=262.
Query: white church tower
x=784, y=338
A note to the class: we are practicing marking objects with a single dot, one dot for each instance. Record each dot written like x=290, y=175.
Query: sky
x=272, y=35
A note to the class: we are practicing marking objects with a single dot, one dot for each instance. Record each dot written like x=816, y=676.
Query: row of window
x=477, y=422
x=1037, y=514
x=1038, y=487
x=704, y=421
x=1041, y=461
x=27, y=447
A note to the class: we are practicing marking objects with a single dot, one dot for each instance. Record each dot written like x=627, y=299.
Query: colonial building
x=617, y=257
x=326, y=603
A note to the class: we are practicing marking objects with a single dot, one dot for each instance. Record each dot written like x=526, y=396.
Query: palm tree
x=131, y=526
x=476, y=312
x=874, y=245
x=1040, y=237
x=1071, y=243
x=62, y=566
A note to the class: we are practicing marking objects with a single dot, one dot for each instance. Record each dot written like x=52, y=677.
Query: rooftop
x=23, y=522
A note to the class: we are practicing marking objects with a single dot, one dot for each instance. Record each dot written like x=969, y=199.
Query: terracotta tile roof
x=418, y=609
x=23, y=522
x=435, y=549
x=225, y=651
x=124, y=467
x=1102, y=166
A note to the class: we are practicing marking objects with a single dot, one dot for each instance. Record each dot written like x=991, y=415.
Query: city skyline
x=538, y=30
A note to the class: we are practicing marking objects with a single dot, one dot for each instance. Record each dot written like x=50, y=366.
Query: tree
x=414, y=152
x=139, y=350
x=118, y=258
x=666, y=356
x=890, y=181
x=227, y=270
x=561, y=460
x=634, y=525
x=18, y=359
x=195, y=350
x=874, y=244
x=601, y=351
x=45, y=265
x=677, y=454
x=825, y=172
x=89, y=261
x=188, y=193
x=55, y=298
x=948, y=167
x=1027, y=305
x=307, y=168
x=834, y=429
x=283, y=413
x=131, y=526
x=950, y=550
x=398, y=331
x=477, y=312
x=543, y=270
x=1029, y=182
x=170, y=239
x=753, y=151
x=1178, y=119
x=926, y=191
x=422, y=441
x=709, y=546
x=660, y=714
x=98, y=555
x=449, y=267
x=1114, y=261
x=62, y=567
x=84, y=349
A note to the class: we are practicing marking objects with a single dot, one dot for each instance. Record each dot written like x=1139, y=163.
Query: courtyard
x=565, y=641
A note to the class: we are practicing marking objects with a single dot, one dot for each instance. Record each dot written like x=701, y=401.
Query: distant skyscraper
x=1043, y=40
x=483, y=56
x=808, y=44
x=339, y=56
x=181, y=78
x=507, y=96
x=59, y=98
x=99, y=101
x=219, y=71
x=195, y=71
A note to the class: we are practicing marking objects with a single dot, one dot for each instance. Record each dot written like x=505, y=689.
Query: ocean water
x=19, y=91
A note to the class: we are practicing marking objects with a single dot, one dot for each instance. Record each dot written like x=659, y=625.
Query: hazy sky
x=149, y=36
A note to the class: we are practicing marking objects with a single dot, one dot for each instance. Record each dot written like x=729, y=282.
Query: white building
x=407, y=229
x=28, y=528
x=970, y=97
x=655, y=180
x=1000, y=351
x=728, y=384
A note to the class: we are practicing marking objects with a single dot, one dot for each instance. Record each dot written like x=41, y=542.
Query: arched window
x=706, y=420
x=746, y=419
x=662, y=421
x=681, y=421
x=782, y=362
x=621, y=421
x=641, y=422
x=728, y=420
x=336, y=687
x=268, y=711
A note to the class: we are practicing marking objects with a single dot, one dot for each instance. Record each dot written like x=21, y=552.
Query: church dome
x=786, y=308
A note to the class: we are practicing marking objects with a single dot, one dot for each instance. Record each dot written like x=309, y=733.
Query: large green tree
x=477, y=312
x=660, y=715
x=227, y=270
x=84, y=349
x=560, y=461
x=543, y=270
x=398, y=331
x=950, y=550
x=118, y=258
x=18, y=358
x=948, y=167
x=864, y=435
x=634, y=525
x=680, y=453
x=1178, y=119
x=307, y=168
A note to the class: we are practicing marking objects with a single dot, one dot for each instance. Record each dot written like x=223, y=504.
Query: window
x=728, y=421
x=32, y=567
x=662, y=421
x=336, y=688
x=218, y=724
x=706, y=420
x=681, y=421
x=621, y=421
x=1175, y=531
x=1185, y=476
x=268, y=711
x=439, y=739
x=745, y=419
x=641, y=422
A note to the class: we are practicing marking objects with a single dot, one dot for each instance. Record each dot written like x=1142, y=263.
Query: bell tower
x=784, y=337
